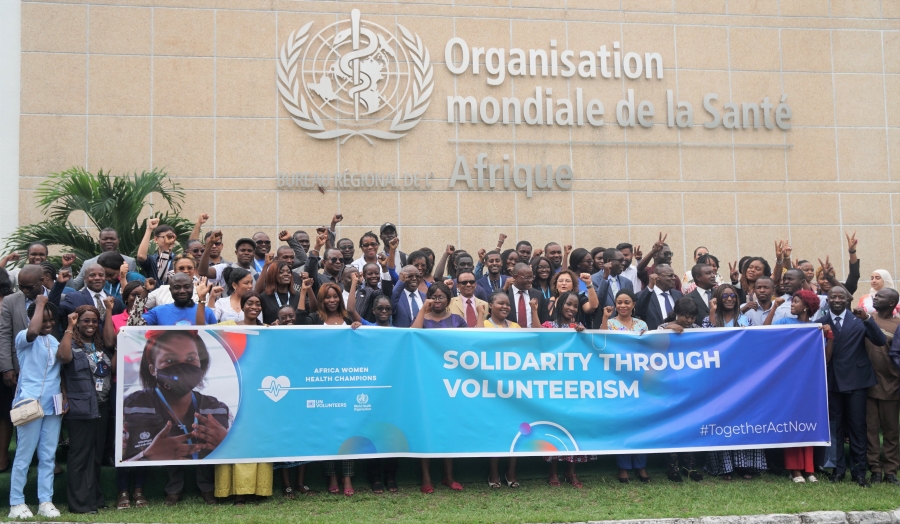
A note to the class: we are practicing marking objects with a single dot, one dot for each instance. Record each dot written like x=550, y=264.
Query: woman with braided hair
x=87, y=355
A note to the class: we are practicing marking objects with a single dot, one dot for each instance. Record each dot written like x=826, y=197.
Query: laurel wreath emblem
x=306, y=117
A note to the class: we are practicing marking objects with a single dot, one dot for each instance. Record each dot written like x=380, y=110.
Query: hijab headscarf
x=886, y=277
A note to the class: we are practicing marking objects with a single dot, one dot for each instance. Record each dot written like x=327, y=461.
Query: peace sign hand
x=852, y=242
x=658, y=246
x=733, y=271
x=827, y=268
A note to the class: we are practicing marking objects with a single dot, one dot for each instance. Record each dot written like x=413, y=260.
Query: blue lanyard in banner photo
x=177, y=420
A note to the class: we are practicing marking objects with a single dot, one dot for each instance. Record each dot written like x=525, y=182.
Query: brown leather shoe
x=208, y=497
x=172, y=499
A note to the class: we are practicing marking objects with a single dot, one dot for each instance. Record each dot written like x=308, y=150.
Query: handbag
x=28, y=410
x=25, y=411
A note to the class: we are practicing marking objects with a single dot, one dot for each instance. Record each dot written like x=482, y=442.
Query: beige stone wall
x=190, y=85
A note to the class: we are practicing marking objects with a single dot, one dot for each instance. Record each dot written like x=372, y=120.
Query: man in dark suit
x=520, y=294
x=850, y=374
x=705, y=278
x=406, y=299
x=493, y=280
x=92, y=295
x=657, y=300
x=13, y=319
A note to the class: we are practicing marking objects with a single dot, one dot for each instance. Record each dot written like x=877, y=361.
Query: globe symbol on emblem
x=362, y=398
x=357, y=69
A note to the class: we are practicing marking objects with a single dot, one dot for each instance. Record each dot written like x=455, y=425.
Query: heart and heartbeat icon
x=276, y=388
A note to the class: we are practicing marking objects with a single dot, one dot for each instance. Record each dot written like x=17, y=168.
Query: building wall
x=191, y=86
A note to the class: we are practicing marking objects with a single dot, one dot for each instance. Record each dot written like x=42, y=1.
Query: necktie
x=522, y=313
x=162, y=267
x=614, y=284
x=414, y=300
x=99, y=302
x=668, y=305
x=470, y=313
x=837, y=326
x=708, y=296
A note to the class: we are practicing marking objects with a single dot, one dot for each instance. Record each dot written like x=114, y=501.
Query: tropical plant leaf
x=106, y=201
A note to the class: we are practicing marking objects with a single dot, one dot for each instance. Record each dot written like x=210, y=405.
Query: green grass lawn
x=603, y=497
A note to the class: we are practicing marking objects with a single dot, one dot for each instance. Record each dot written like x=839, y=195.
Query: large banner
x=233, y=394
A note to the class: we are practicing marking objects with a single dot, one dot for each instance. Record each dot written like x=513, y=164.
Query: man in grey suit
x=13, y=319
x=109, y=241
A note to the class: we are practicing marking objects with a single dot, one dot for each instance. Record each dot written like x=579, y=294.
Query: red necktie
x=523, y=316
x=470, y=313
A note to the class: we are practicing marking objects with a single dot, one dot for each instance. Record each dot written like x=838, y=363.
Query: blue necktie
x=837, y=326
x=415, y=304
x=668, y=305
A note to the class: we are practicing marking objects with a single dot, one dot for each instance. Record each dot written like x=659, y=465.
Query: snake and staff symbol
x=363, y=67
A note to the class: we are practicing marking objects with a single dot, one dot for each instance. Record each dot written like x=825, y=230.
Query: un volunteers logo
x=359, y=76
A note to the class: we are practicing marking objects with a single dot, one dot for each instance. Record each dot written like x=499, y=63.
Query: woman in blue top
x=725, y=309
x=39, y=380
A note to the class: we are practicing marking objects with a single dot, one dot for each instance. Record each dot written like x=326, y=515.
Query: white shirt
x=784, y=310
x=102, y=294
x=224, y=312
x=162, y=296
x=842, y=316
x=515, y=306
x=758, y=315
x=360, y=263
x=704, y=295
x=660, y=299
x=631, y=274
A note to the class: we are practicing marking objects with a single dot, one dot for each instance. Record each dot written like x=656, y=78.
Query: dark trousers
x=206, y=476
x=883, y=415
x=382, y=469
x=848, y=412
x=86, y=441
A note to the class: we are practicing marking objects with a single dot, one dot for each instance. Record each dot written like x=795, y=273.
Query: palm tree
x=106, y=201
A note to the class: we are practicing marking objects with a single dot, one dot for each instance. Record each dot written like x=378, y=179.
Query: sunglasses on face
x=728, y=295
x=334, y=260
x=217, y=244
x=26, y=288
x=197, y=251
x=370, y=244
x=383, y=309
x=264, y=242
x=466, y=282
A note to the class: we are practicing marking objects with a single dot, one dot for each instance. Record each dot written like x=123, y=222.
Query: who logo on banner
x=358, y=75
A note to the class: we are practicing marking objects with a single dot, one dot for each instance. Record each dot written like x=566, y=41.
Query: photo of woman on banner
x=168, y=419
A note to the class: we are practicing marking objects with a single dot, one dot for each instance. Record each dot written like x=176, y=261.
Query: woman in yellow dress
x=240, y=480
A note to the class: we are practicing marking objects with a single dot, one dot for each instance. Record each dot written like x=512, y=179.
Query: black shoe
x=835, y=478
x=695, y=475
x=875, y=478
x=645, y=480
x=674, y=476
x=624, y=481
x=892, y=479
x=862, y=482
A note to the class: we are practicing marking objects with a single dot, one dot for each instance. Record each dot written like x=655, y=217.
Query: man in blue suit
x=850, y=374
x=657, y=300
x=92, y=295
x=494, y=280
x=406, y=299
x=609, y=281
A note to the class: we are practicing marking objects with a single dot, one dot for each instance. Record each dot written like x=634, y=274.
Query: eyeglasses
x=28, y=288
x=370, y=244
x=383, y=309
x=334, y=260
x=217, y=244
x=166, y=237
x=197, y=251
x=466, y=282
x=264, y=242
x=729, y=295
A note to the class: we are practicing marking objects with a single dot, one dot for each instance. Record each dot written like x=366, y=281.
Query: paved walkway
x=813, y=517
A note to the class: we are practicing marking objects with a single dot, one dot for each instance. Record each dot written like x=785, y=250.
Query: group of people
x=58, y=340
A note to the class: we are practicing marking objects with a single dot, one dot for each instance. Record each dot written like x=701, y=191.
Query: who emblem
x=358, y=75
